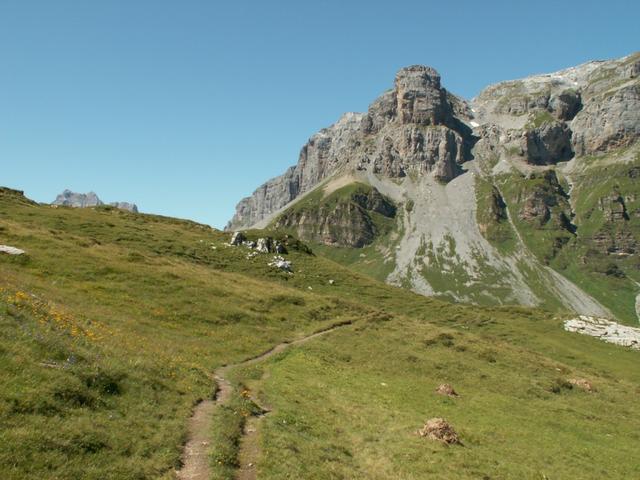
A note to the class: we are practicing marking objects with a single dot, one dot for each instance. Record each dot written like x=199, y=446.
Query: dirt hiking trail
x=195, y=456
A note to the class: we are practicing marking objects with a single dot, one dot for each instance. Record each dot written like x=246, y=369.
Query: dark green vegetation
x=113, y=322
x=352, y=216
x=354, y=225
x=540, y=211
x=591, y=236
x=492, y=217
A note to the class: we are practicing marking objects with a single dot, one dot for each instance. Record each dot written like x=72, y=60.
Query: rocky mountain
x=527, y=194
x=80, y=200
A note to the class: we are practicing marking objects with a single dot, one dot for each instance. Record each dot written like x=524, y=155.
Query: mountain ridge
x=531, y=145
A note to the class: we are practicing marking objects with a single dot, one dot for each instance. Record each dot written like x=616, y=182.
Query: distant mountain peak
x=69, y=198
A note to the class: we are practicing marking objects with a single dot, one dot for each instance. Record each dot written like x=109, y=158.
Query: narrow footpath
x=195, y=456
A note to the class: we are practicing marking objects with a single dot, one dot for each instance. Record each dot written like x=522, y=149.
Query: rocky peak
x=412, y=128
x=419, y=97
x=72, y=199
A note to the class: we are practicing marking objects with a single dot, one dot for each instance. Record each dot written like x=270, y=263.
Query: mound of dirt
x=440, y=430
x=446, y=389
x=582, y=383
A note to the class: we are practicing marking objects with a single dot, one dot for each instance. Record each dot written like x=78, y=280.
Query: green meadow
x=113, y=323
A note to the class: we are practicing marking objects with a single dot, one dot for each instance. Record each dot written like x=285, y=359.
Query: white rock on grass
x=264, y=245
x=281, y=263
x=237, y=238
x=605, y=330
x=11, y=250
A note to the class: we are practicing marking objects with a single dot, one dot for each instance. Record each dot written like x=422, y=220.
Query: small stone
x=447, y=390
x=582, y=383
x=331, y=282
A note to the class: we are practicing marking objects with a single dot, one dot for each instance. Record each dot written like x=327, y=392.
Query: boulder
x=447, y=390
x=237, y=238
x=264, y=245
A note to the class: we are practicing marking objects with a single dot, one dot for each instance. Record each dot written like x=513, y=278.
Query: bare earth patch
x=195, y=457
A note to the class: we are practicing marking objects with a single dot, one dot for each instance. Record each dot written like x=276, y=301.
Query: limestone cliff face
x=590, y=109
x=414, y=128
x=420, y=128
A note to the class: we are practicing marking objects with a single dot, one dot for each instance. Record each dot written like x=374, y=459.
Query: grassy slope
x=347, y=406
x=132, y=312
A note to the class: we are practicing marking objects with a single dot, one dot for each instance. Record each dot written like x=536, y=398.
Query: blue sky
x=186, y=106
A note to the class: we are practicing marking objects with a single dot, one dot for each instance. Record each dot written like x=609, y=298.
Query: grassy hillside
x=113, y=323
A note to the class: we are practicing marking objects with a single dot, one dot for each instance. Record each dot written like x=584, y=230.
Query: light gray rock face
x=585, y=110
x=548, y=144
x=416, y=127
x=609, y=120
x=83, y=200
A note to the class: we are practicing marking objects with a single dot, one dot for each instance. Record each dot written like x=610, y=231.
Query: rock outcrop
x=548, y=144
x=82, y=200
x=345, y=218
x=605, y=330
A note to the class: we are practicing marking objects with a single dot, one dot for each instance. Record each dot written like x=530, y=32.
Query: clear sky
x=186, y=106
